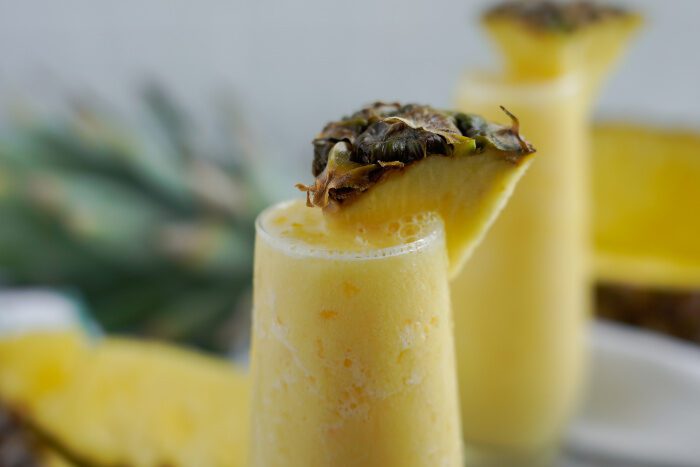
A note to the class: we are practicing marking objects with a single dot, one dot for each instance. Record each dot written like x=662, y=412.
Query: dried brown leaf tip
x=555, y=16
x=356, y=152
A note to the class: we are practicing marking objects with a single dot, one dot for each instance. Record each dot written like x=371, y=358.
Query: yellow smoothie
x=521, y=304
x=352, y=357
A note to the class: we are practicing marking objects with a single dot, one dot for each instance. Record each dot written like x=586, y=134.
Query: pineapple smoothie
x=353, y=354
x=353, y=360
x=521, y=305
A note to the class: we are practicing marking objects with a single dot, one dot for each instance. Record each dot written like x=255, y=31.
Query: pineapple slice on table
x=33, y=367
x=646, y=195
x=38, y=364
x=128, y=402
x=388, y=161
x=21, y=446
x=143, y=403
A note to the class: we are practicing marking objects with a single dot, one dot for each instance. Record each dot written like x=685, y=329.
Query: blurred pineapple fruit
x=646, y=226
x=152, y=223
x=124, y=402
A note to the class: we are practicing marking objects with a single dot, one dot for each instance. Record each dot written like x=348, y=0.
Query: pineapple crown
x=354, y=153
x=146, y=219
x=555, y=16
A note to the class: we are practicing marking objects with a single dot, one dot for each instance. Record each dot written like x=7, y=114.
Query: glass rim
x=434, y=234
x=492, y=83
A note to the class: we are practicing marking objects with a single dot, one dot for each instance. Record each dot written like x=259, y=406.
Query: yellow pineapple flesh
x=467, y=193
x=36, y=365
x=128, y=402
x=646, y=196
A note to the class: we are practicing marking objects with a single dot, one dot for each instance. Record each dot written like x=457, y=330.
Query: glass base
x=494, y=456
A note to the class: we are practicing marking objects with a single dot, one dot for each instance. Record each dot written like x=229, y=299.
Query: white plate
x=643, y=401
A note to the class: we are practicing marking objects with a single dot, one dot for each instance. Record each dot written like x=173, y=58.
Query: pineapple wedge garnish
x=389, y=161
x=543, y=40
x=127, y=402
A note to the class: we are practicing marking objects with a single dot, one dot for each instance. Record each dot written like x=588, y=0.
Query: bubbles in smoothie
x=303, y=230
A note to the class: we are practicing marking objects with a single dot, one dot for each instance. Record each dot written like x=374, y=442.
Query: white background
x=295, y=65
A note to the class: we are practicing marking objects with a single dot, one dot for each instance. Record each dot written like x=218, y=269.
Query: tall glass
x=352, y=359
x=521, y=303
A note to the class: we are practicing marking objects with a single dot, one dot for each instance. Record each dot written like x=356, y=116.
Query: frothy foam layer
x=300, y=230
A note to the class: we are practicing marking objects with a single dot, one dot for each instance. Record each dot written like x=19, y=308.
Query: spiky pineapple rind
x=671, y=312
x=355, y=153
x=555, y=17
x=24, y=444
